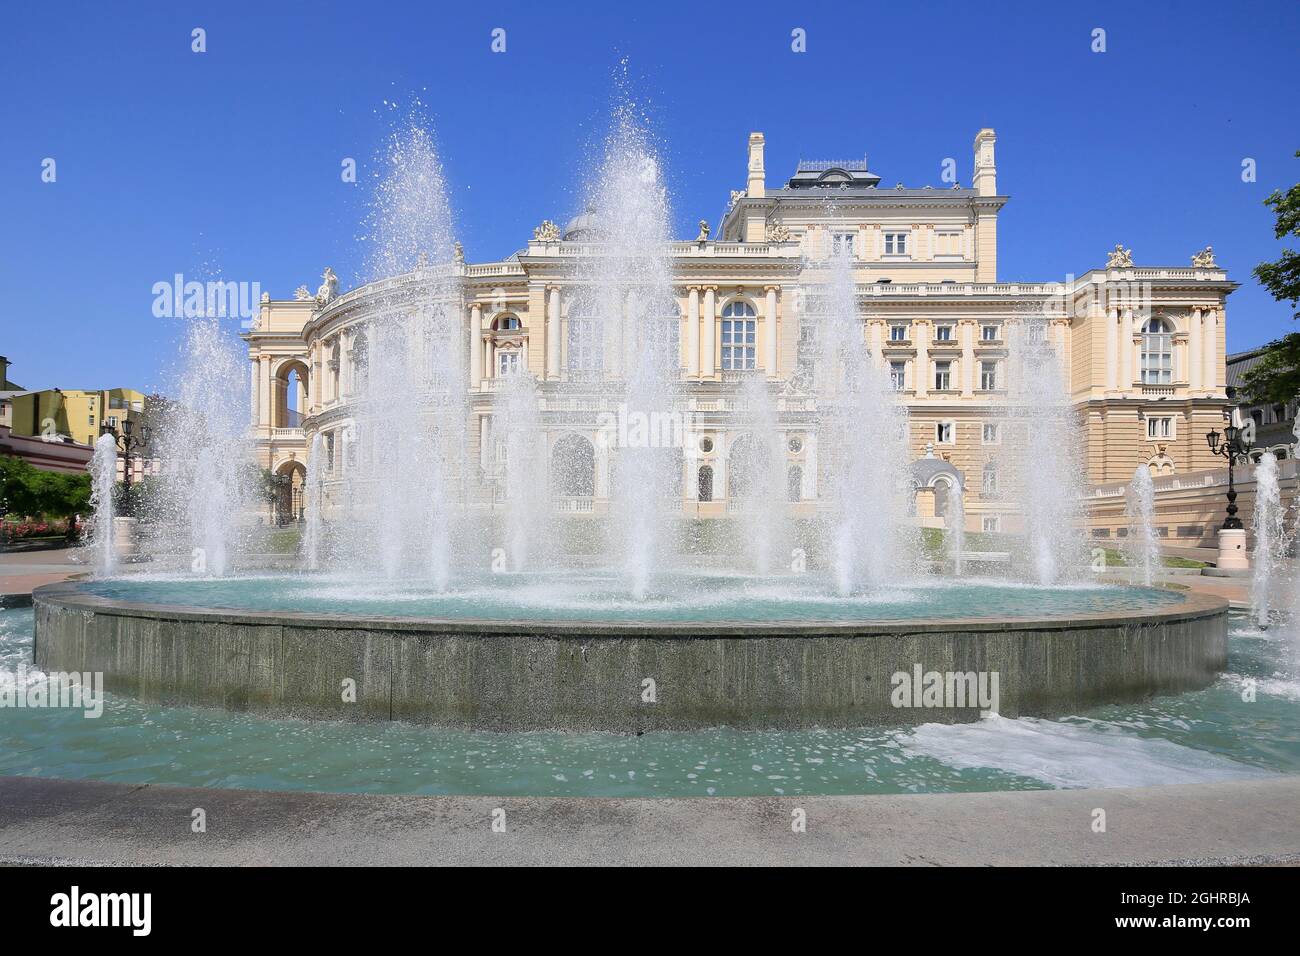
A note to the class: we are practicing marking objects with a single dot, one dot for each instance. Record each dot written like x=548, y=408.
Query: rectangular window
x=942, y=376
x=992, y=523
x=1162, y=427
x=990, y=434
x=988, y=376
x=943, y=433
x=898, y=375
x=738, y=344
x=586, y=345
x=898, y=333
x=507, y=363
x=947, y=242
x=842, y=244
x=990, y=333
x=895, y=243
x=943, y=333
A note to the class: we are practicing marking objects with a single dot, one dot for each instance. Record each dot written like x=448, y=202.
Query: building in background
x=1142, y=347
x=1274, y=422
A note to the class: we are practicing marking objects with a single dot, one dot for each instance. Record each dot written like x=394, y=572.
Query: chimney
x=986, y=171
x=4, y=372
x=756, y=187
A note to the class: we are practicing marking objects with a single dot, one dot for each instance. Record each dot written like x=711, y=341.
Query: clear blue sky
x=228, y=161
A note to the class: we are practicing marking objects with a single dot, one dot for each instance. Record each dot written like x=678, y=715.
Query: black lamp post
x=1235, y=448
x=129, y=440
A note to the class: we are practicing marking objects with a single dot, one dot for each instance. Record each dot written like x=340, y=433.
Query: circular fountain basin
x=571, y=651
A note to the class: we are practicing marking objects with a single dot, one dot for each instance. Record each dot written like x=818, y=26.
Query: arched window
x=706, y=483
x=1157, y=352
x=507, y=323
x=941, y=489
x=794, y=483
x=573, y=467
x=739, y=336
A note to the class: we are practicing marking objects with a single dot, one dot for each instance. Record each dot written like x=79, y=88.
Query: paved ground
x=1252, y=821
x=20, y=571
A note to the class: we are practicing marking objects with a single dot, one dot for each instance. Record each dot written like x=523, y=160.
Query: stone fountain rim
x=71, y=595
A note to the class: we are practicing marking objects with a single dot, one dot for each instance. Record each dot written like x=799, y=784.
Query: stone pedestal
x=1232, y=549
x=124, y=537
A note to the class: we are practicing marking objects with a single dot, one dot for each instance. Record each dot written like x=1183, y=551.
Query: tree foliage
x=30, y=492
x=1276, y=377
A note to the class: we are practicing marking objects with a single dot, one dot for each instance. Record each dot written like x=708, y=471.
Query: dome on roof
x=584, y=226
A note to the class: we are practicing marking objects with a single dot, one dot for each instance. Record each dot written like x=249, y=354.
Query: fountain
x=400, y=483
x=863, y=435
x=1041, y=451
x=756, y=476
x=103, y=478
x=1142, y=547
x=313, y=544
x=1270, y=538
x=415, y=494
x=517, y=430
x=955, y=525
x=630, y=292
x=199, y=506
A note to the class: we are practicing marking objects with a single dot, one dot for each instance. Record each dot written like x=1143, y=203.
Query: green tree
x=1276, y=377
x=30, y=492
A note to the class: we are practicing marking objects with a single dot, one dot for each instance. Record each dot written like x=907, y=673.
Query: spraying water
x=103, y=476
x=1270, y=540
x=863, y=438
x=517, y=425
x=1041, y=451
x=313, y=505
x=1142, y=547
x=955, y=526
x=755, y=470
x=207, y=484
x=628, y=292
x=409, y=381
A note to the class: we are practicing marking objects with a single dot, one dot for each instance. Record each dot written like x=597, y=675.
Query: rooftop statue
x=1120, y=258
x=329, y=289
x=302, y=293
x=1204, y=259
x=547, y=232
x=704, y=231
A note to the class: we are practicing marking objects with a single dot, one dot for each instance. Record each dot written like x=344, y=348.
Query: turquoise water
x=693, y=596
x=1207, y=735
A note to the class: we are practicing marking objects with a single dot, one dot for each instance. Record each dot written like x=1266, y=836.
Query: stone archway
x=287, y=501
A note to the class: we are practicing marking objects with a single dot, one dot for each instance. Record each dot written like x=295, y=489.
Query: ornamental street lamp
x=128, y=441
x=1234, y=445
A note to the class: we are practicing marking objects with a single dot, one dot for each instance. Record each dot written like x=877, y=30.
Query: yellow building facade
x=1142, y=347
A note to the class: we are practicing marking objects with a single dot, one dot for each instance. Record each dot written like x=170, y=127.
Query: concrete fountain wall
x=527, y=676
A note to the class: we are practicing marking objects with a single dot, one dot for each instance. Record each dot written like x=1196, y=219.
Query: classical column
x=475, y=345
x=708, y=363
x=968, y=370
x=266, y=419
x=921, y=377
x=693, y=331
x=553, y=331
x=1126, y=350
x=1210, y=350
x=1112, y=348
x=1195, y=363
x=769, y=357
x=254, y=399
